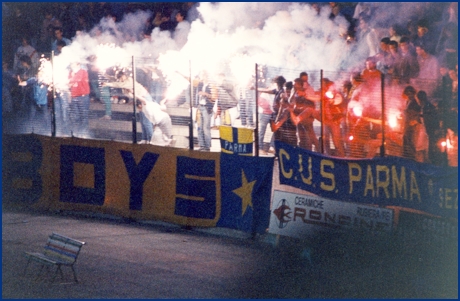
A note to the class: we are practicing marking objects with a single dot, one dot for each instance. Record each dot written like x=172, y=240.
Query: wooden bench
x=59, y=251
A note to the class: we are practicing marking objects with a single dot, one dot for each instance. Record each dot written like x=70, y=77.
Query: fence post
x=134, y=103
x=190, y=125
x=256, y=130
x=53, y=107
x=382, y=91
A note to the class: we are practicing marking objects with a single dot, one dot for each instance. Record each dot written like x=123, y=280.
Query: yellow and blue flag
x=236, y=141
x=246, y=190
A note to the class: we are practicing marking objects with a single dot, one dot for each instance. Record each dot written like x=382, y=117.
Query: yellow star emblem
x=245, y=193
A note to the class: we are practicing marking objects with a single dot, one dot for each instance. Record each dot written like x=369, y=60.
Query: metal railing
x=347, y=120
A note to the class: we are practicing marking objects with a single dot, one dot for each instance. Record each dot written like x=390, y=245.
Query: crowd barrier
x=361, y=130
x=200, y=189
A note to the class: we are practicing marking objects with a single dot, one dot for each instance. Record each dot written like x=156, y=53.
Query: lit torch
x=329, y=94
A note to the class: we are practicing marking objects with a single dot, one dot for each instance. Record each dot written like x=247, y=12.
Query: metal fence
x=345, y=119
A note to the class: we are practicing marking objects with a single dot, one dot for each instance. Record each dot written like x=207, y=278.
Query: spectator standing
x=431, y=121
x=58, y=34
x=206, y=96
x=333, y=102
x=424, y=38
x=39, y=115
x=367, y=39
x=358, y=132
x=182, y=29
x=394, y=33
x=370, y=99
x=408, y=68
x=310, y=92
x=412, y=113
x=383, y=56
x=428, y=77
x=303, y=113
x=270, y=109
x=247, y=104
x=192, y=11
x=100, y=92
x=25, y=72
x=228, y=92
x=394, y=62
x=79, y=93
x=47, y=31
x=287, y=131
x=26, y=49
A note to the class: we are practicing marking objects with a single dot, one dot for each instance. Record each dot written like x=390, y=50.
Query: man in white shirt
x=58, y=33
x=26, y=49
x=156, y=114
x=428, y=76
x=182, y=29
x=152, y=113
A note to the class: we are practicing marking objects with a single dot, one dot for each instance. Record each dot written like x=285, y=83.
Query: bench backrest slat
x=62, y=248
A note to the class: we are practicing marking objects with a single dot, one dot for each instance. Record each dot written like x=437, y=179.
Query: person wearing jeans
x=79, y=93
x=206, y=96
x=125, y=82
x=79, y=111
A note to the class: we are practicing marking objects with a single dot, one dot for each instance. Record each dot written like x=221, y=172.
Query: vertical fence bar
x=256, y=130
x=321, y=107
x=53, y=107
x=134, y=103
x=190, y=124
x=382, y=91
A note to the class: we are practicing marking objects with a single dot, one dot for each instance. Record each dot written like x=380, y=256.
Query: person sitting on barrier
x=126, y=83
x=157, y=115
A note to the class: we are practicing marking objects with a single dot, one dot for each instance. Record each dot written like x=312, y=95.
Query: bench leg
x=27, y=265
x=39, y=272
x=58, y=269
x=74, y=274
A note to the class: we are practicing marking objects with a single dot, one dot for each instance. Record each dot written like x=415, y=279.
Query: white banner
x=299, y=216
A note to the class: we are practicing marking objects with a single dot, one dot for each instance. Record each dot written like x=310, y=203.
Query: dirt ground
x=129, y=259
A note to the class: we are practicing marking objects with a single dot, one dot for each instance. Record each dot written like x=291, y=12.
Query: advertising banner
x=138, y=181
x=300, y=216
x=383, y=181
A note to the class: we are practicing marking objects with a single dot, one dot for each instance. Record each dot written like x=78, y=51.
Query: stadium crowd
x=418, y=59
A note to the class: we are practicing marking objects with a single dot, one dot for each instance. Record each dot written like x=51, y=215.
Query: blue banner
x=138, y=181
x=387, y=181
x=246, y=184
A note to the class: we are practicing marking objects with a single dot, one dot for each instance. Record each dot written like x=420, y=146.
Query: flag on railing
x=236, y=141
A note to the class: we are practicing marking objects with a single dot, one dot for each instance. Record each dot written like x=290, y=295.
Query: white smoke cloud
x=232, y=37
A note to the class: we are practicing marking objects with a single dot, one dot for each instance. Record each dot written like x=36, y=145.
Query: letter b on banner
x=22, y=160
